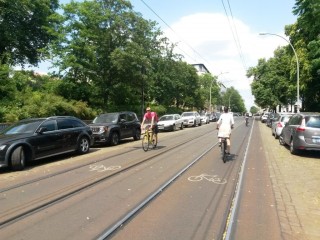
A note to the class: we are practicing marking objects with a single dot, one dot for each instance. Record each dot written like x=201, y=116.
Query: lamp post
x=298, y=97
x=229, y=100
x=210, y=90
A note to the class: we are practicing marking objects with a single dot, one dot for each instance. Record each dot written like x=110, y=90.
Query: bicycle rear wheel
x=145, y=142
x=223, y=150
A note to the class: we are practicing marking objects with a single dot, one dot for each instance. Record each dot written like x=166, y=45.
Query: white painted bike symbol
x=102, y=168
x=210, y=178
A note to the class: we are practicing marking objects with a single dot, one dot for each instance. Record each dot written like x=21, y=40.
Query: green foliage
x=254, y=109
x=109, y=59
x=23, y=25
x=231, y=98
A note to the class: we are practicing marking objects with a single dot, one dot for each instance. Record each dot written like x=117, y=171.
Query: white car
x=278, y=124
x=205, y=118
x=191, y=119
x=264, y=117
x=170, y=122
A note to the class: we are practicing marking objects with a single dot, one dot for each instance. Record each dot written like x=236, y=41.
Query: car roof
x=116, y=112
x=45, y=118
x=309, y=113
x=168, y=115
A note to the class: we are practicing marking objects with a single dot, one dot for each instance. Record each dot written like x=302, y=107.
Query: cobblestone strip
x=282, y=174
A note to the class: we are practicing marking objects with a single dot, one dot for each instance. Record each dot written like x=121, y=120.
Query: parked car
x=110, y=128
x=278, y=124
x=204, y=118
x=191, y=119
x=264, y=117
x=217, y=116
x=302, y=132
x=170, y=122
x=271, y=117
x=37, y=138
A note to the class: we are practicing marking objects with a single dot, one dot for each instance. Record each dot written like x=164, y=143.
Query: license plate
x=316, y=140
x=160, y=127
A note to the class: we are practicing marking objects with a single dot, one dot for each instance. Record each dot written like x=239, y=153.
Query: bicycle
x=149, y=139
x=223, y=147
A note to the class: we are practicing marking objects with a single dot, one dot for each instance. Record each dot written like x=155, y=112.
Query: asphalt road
x=181, y=190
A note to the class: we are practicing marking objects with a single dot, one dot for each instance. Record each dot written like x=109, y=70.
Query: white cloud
x=210, y=36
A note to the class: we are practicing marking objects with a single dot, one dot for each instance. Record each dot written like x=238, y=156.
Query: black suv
x=109, y=128
x=37, y=138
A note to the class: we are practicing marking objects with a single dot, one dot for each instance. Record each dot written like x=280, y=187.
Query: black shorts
x=155, y=129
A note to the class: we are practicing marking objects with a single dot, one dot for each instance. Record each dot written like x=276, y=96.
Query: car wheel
x=194, y=123
x=83, y=145
x=292, y=149
x=200, y=123
x=281, y=141
x=174, y=127
x=114, y=139
x=137, y=134
x=18, y=159
x=181, y=127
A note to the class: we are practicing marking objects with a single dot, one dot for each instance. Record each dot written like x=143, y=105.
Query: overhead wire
x=235, y=34
x=181, y=39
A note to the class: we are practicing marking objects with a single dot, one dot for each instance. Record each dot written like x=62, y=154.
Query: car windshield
x=106, y=118
x=187, y=114
x=22, y=127
x=313, y=121
x=166, y=118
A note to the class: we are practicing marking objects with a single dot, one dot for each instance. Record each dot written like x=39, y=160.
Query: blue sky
x=224, y=42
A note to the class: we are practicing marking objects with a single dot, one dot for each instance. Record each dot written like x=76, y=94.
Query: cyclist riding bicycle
x=150, y=119
x=225, y=124
x=246, y=119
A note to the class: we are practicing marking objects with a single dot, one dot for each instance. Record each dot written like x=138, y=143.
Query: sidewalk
x=296, y=185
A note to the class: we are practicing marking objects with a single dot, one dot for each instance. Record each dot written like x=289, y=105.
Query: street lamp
x=210, y=90
x=229, y=100
x=298, y=97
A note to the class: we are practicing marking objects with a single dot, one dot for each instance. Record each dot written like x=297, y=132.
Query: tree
x=103, y=49
x=23, y=28
x=254, y=109
x=273, y=83
x=305, y=34
x=231, y=98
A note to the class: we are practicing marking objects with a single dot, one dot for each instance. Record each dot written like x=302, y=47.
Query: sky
x=221, y=34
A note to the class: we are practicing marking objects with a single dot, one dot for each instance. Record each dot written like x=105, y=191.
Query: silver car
x=191, y=119
x=302, y=132
x=170, y=122
x=205, y=118
x=278, y=124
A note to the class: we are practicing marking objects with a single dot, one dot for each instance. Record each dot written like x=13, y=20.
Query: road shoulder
x=295, y=181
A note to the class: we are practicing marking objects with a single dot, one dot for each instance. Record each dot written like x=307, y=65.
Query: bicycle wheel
x=223, y=150
x=145, y=142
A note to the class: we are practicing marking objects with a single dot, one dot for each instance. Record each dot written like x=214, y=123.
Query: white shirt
x=225, y=121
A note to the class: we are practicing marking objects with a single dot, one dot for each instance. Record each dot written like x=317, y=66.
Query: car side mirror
x=122, y=120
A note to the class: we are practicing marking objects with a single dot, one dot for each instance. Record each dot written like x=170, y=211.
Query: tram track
x=36, y=204
x=112, y=230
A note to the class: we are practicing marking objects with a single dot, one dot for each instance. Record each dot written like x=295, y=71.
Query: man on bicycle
x=151, y=118
x=246, y=118
x=225, y=124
